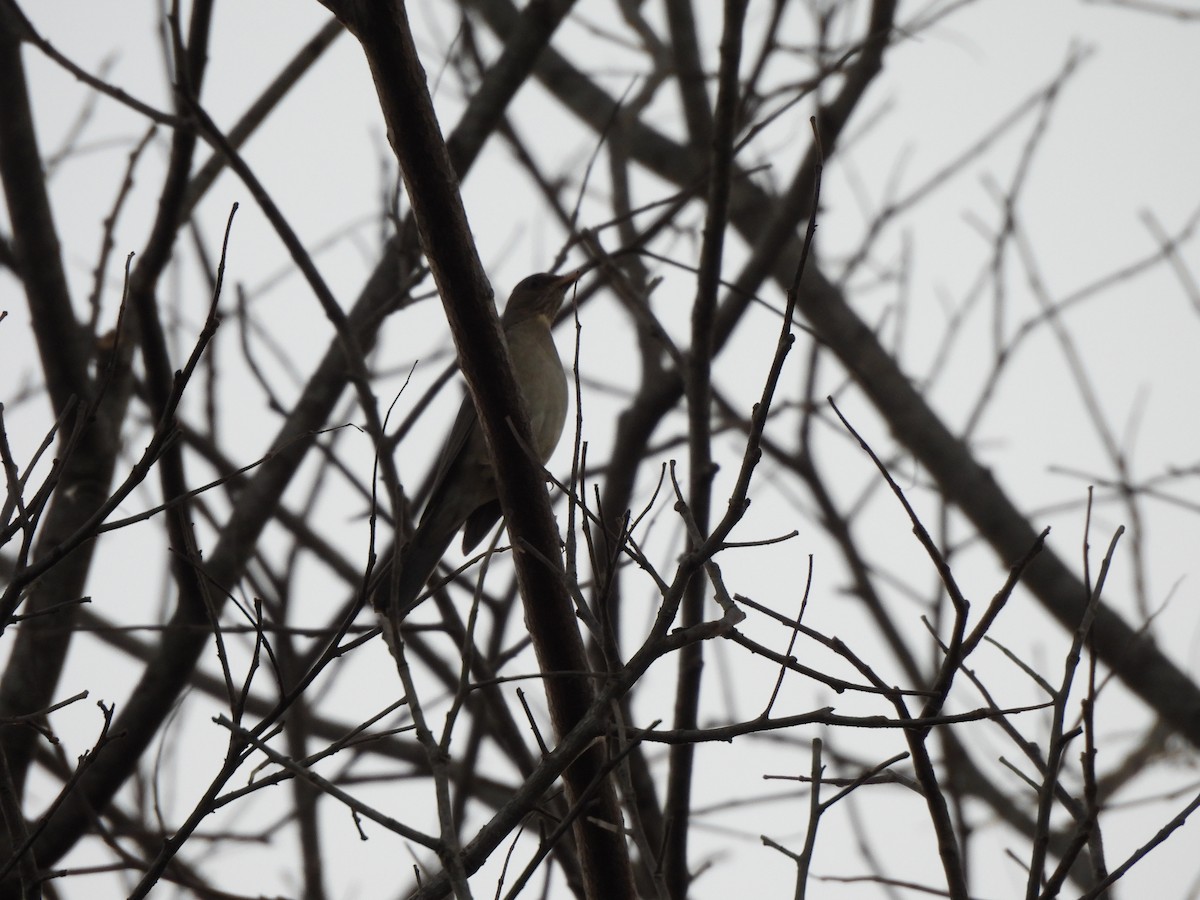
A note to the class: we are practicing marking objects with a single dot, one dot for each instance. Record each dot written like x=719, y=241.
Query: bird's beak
x=567, y=279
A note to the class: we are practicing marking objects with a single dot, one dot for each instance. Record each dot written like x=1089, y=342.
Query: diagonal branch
x=432, y=187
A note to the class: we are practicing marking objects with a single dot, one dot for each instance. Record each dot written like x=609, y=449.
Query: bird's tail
x=418, y=559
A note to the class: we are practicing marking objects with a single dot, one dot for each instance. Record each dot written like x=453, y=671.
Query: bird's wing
x=440, y=520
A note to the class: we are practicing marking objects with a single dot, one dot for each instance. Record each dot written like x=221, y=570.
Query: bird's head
x=538, y=295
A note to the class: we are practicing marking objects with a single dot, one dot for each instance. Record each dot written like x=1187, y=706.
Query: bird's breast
x=540, y=376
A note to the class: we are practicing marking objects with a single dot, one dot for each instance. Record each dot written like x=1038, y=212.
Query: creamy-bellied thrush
x=464, y=486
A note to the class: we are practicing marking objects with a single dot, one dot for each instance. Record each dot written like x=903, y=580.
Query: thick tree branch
x=432, y=187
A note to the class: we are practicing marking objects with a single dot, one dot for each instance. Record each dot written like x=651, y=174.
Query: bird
x=464, y=493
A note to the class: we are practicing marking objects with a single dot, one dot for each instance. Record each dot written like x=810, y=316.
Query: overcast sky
x=1118, y=161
